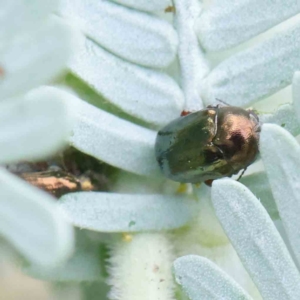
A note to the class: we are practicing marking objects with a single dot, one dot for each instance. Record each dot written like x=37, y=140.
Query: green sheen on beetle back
x=208, y=144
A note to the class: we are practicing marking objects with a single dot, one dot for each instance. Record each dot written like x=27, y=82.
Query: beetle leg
x=242, y=174
x=223, y=102
x=209, y=182
x=185, y=113
x=213, y=106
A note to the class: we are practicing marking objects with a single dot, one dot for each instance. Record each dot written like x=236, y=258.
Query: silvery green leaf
x=46, y=49
x=225, y=24
x=135, y=36
x=31, y=220
x=83, y=265
x=113, y=140
x=111, y=212
x=281, y=156
x=256, y=72
x=18, y=16
x=192, y=62
x=144, y=93
x=146, y=5
x=256, y=240
x=33, y=126
x=284, y=116
x=296, y=96
x=205, y=236
x=259, y=185
x=203, y=280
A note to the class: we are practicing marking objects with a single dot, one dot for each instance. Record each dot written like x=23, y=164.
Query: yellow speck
x=127, y=237
x=182, y=188
x=170, y=8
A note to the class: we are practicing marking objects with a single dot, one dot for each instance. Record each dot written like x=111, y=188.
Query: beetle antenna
x=223, y=102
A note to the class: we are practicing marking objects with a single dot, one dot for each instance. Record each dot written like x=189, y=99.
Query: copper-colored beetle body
x=57, y=183
x=208, y=144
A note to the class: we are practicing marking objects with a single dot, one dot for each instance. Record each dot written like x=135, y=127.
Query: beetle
x=58, y=182
x=208, y=144
x=70, y=171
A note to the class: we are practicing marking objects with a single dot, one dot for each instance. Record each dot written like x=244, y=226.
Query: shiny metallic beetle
x=208, y=144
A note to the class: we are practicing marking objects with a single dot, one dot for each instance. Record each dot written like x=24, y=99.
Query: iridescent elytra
x=208, y=144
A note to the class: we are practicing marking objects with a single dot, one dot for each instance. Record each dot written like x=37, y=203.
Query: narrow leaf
x=135, y=36
x=83, y=265
x=284, y=116
x=144, y=93
x=20, y=16
x=225, y=24
x=256, y=72
x=33, y=126
x=33, y=223
x=192, y=62
x=281, y=156
x=111, y=212
x=113, y=140
x=37, y=58
x=259, y=185
x=203, y=280
x=256, y=240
